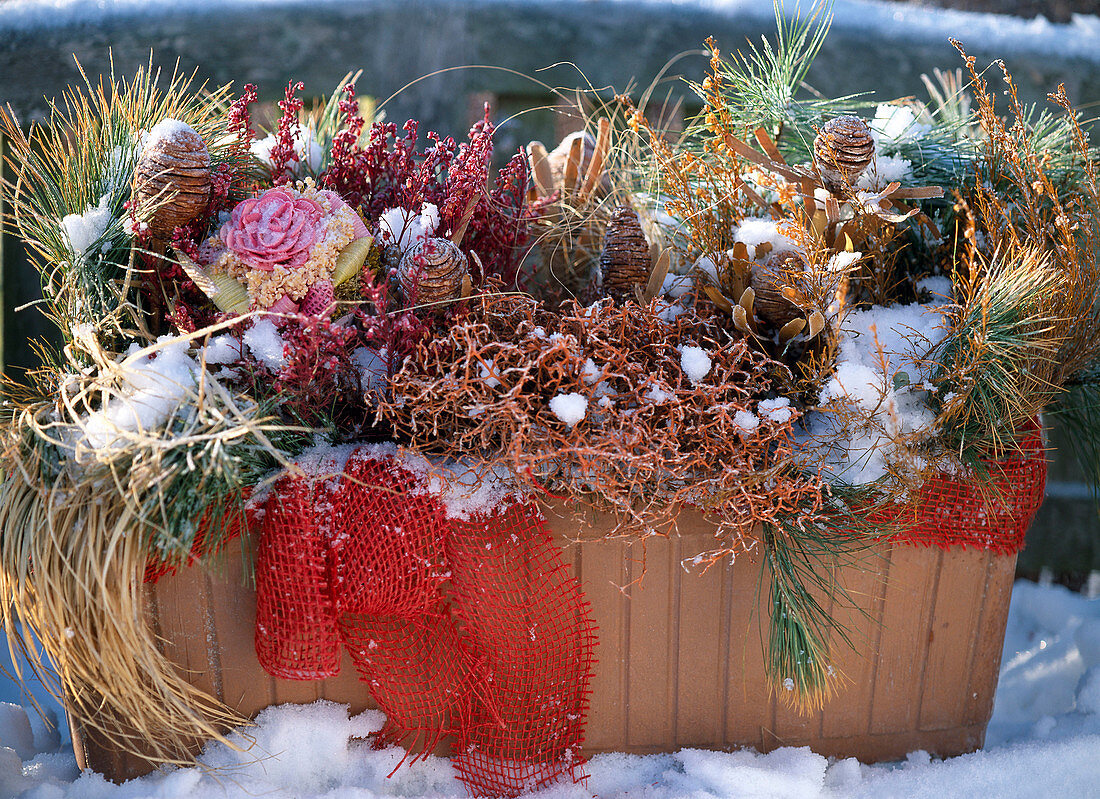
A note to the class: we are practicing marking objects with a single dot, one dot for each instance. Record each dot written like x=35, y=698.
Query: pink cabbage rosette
x=274, y=229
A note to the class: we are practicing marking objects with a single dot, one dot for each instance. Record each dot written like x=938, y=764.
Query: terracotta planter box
x=679, y=656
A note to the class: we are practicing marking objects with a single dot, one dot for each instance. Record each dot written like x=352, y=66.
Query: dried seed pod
x=171, y=184
x=558, y=158
x=843, y=150
x=432, y=271
x=767, y=281
x=625, y=259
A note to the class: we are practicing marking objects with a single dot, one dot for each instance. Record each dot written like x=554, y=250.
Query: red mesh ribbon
x=992, y=514
x=475, y=631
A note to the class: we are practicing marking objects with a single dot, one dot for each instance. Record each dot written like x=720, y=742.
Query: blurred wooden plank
x=956, y=626
x=906, y=616
x=601, y=567
x=990, y=643
x=748, y=706
x=700, y=686
x=864, y=581
x=653, y=653
x=246, y=687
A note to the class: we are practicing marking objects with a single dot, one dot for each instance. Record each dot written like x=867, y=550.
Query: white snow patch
x=466, y=490
x=938, y=286
x=373, y=367
x=657, y=395
x=885, y=169
x=590, y=373
x=83, y=230
x=746, y=421
x=886, y=403
x=487, y=375
x=407, y=228
x=265, y=344
x=754, y=231
x=225, y=348
x=167, y=129
x=776, y=410
x=696, y=363
x=306, y=147
x=154, y=383
x=676, y=286
x=896, y=124
x=842, y=261
x=570, y=408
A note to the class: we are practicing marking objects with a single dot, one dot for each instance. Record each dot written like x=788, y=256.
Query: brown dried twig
x=651, y=437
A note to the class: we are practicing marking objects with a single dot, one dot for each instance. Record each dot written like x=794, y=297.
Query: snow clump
x=266, y=345
x=83, y=230
x=408, y=228
x=306, y=147
x=776, y=410
x=696, y=363
x=155, y=382
x=570, y=408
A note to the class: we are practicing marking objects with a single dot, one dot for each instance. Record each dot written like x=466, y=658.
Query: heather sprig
x=399, y=176
x=345, y=173
x=468, y=173
x=318, y=383
x=239, y=119
x=501, y=223
x=284, y=155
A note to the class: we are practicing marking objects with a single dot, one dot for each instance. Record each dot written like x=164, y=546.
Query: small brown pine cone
x=767, y=280
x=172, y=180
x=625, y=260
x=432, y=271
x=843, y=150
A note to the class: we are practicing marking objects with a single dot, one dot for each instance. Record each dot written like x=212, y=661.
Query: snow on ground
x=1043, y=741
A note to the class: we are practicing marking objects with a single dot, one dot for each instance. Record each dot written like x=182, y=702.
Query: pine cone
x=843, y=150
x=767, y=280
x=172, y=180
x=625, y=260
x=432, y=271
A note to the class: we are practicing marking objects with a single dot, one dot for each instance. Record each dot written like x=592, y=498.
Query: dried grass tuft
x=80, y=527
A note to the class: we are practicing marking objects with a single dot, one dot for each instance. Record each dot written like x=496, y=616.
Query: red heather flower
x=320, y=373
x=239, y=119
x=499, y=227
x=396, y=333
x=284, y=154
x=468, y=172
x=275, y=228
x=397, y=175
x=347, y=173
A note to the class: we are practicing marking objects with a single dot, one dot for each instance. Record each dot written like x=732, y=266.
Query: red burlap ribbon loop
x=471, y=630
x=991, y=513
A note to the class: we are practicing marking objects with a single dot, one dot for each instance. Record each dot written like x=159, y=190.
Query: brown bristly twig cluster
x=651, y=439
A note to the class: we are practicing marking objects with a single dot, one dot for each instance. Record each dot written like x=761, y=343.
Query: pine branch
x=802, y=561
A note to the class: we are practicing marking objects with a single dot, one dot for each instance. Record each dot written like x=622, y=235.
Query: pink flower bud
x=274, y=229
